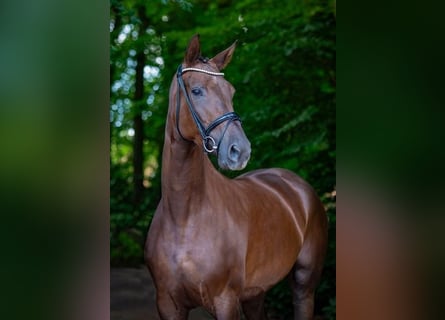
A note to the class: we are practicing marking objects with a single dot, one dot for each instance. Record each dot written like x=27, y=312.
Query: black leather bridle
x=208, y=142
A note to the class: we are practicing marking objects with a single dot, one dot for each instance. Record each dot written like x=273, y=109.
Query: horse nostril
x=234, y=152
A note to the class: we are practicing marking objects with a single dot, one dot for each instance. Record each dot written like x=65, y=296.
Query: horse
x=221, y=243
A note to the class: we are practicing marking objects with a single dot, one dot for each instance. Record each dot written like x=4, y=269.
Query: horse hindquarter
x=277, y=222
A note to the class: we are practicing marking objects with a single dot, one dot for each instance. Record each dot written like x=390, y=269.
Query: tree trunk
x=138, y=139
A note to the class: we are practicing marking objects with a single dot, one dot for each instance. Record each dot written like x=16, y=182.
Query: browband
x=203, y=71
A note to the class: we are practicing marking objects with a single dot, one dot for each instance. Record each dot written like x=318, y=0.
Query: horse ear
x=193, y=50
x=223, y=58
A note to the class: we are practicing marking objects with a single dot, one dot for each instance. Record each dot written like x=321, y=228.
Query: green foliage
x=284, y=73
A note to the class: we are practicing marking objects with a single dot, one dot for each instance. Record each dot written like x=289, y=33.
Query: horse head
x=204, y=109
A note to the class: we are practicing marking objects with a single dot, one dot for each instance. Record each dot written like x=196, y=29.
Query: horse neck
x=183, y=166
x=187, y=175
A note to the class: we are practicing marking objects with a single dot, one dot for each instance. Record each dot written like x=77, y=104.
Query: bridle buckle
x=209, y=144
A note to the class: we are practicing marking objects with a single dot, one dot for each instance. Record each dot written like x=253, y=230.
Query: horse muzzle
x=235, y=153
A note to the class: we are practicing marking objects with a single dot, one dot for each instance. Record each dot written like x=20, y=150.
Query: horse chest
x=201, y=251
x=201, y=254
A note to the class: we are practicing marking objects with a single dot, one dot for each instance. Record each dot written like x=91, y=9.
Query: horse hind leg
x=305, y=276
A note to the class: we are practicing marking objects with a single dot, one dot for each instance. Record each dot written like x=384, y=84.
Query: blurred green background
x=55, y=153
x=284, y=73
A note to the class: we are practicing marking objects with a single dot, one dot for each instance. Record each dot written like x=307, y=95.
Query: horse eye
x=197, y=91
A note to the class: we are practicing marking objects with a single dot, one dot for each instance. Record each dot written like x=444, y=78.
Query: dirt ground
x=132, y=296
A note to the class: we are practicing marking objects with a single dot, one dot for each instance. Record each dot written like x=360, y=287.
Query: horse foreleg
x=169, y=309
x=227, y=307
x=254, y=308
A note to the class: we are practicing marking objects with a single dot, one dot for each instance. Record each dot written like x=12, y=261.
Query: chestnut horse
x=222, y=243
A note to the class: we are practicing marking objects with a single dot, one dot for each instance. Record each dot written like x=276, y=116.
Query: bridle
x=208, y=142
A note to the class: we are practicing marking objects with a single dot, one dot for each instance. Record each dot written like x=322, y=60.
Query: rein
x=208, y=142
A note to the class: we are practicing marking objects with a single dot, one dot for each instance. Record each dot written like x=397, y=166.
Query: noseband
x=208, y=142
